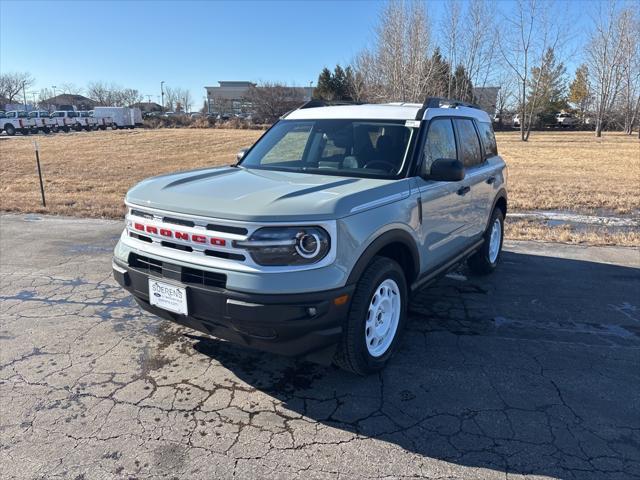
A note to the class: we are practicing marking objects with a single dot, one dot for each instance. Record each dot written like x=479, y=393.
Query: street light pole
x=162, y=93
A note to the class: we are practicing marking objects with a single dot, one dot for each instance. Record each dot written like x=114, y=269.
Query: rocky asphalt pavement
x=533, y=371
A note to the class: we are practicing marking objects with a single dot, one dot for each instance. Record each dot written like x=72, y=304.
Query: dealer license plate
x=167, y=296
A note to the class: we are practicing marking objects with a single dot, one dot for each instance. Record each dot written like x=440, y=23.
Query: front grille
x=227, y=229
x=144, y=238
x=139, y=213
x=171, y=271
x=178, y=221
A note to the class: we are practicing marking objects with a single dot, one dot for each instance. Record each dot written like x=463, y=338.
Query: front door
x=445, y=228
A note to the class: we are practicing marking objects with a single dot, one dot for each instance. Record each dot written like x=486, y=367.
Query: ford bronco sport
x=313, y=243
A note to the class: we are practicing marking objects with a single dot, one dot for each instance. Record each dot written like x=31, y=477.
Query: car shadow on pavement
x=533, y=370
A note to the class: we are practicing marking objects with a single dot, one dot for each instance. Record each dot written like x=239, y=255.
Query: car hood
x=264, y=195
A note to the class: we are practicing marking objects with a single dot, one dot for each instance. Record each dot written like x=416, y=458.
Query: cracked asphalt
x=532, y=372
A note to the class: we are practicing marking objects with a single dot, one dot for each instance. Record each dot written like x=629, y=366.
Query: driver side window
x=441, y=143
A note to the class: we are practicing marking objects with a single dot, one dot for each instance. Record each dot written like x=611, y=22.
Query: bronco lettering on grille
x=192, y=237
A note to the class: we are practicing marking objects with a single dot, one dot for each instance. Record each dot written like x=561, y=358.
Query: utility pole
x=162, y=93
x=24, y=95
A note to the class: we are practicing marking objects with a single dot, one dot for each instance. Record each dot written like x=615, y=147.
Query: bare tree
x=527, y=36
x=171, y=98
x=270, y=101
x=630, y=90
x=101, y=93
x=12, y=85
x=185, y=99
x=471, y=42
x=606, y=59
x=397, y=67
x=70, y=88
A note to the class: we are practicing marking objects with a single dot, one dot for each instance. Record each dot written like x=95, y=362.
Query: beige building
x=229, y=97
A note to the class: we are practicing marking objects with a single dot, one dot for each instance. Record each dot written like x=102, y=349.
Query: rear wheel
x=485, y=260
x=376, y=318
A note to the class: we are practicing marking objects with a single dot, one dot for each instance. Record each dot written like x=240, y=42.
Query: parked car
x=566, y=120
x=42, y=121
x=515, y=121
x=122, y=117
x=314, y=243
x=16, y=121
x=64, y=120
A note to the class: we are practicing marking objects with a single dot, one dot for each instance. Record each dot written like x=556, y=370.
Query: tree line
x=14, y=88
x=521, y=50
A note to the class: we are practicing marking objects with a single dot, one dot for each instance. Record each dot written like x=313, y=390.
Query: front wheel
x=485, y=260
x=376, y=318
x=10, y=129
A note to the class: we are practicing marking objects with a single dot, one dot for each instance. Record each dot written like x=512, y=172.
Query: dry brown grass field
x=87, y=174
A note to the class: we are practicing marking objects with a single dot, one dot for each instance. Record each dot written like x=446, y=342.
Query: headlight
x=279, y=246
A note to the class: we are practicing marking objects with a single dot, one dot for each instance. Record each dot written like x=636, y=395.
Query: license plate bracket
x=168, y=296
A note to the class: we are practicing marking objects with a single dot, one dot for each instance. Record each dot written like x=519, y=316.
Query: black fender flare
x=501, y=195
x=387, y=238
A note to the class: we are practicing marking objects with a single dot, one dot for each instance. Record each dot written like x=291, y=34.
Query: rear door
x=489, y=173
x=476, y=175
x=444, y=218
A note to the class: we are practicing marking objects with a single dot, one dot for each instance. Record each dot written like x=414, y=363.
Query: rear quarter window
x=488, y=139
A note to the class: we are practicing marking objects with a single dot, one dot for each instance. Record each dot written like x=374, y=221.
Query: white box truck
x=121, y=117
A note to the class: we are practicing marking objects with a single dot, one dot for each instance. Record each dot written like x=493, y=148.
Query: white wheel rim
x=383, y=317
x=494, y=240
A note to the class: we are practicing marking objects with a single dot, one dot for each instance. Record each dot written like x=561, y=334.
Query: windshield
x=370, y=148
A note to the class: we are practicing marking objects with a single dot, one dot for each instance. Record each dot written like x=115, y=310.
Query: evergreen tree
x=324, y=85
x=336, y=86
x=338, y=83
x=349, y=84
x=440, y=75
x=462, y=87
x=547, y=88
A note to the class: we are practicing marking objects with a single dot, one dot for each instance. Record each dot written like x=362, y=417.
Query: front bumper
x=287, y=324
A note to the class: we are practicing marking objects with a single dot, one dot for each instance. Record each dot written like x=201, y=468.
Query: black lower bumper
x=294, y=324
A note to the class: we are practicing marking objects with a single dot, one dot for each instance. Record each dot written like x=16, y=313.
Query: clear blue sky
x=186, y=44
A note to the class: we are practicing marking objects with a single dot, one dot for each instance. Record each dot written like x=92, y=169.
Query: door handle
x=490, y=180
x=463, y=190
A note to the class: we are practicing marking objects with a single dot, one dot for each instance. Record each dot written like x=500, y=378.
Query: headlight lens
x=280, y=246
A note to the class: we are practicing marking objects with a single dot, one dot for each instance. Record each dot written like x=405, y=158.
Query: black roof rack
x=316, y=102
x=438, y=102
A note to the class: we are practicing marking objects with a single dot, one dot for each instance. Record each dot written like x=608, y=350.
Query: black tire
x=10, y=129
x=352, y=353
x=114, y=126
x=25, y=131
x=66, y=129
x=480, y=262
x=46, y=130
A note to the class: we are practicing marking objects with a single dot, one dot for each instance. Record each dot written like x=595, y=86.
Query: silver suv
x=313, y=243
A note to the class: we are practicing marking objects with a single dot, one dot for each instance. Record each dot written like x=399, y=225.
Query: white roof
x=383, y=111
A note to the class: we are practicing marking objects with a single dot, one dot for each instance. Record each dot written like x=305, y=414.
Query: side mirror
x=240, y=155
x=447, y=170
